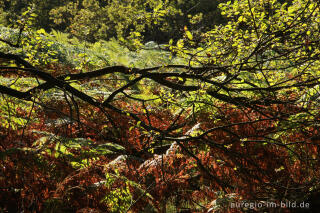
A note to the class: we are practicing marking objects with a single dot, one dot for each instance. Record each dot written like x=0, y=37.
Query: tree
x=236, y=120
x=92, y=20
x=13, y=10
x=154, y=20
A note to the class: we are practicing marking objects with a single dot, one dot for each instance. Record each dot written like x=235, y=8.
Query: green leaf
x=41, y=31
x=189, y=35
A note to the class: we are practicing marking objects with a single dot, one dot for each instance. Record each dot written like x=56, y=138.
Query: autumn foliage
x=218, y=117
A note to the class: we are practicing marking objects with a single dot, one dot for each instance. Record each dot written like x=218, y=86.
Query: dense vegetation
x=96, y=116
x=93, y=20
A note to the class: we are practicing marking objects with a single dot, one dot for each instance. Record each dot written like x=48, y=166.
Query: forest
x=165, y=106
